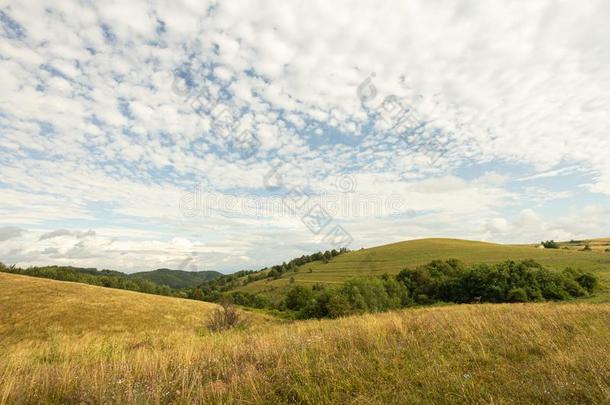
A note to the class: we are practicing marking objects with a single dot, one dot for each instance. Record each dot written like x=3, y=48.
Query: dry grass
x=533, y=353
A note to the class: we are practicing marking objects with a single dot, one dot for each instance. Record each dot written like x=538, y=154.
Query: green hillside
x=177, y=278
x=394, y=257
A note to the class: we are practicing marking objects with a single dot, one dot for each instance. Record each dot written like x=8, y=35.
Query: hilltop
x=176, y=278
x=392, y=258
x=63, y=342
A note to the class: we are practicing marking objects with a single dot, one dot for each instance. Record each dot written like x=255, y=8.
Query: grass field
x=34, y=309
x=600, y=245
x=393, y=258
x=82, y=344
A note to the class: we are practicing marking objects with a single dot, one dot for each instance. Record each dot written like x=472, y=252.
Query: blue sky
x=234, y=135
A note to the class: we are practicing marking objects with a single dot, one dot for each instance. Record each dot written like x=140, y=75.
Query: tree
x=550, y=244
x=327, y=256
x=298, y=298
x=197, y=294
x=588, y=281
x=517, y=295
x=338, y=305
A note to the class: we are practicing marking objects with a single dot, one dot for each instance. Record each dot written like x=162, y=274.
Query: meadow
x=63, y=342
x=393, y=258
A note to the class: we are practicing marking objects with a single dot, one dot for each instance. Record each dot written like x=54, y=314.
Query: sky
x=234, y=135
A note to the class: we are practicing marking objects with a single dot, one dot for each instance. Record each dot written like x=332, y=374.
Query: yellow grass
x=533, y=353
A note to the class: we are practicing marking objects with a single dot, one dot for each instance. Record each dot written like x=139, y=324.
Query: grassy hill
x=33, y=309
x=64, y=342
x=177, y=278
x=600, y=245
x=393, y=258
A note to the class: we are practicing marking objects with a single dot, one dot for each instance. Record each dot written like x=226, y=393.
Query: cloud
x=10, y=232
x=64, y=232
x=511, y=103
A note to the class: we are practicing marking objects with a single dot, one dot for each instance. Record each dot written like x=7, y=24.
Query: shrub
x=534, y=294
x=298, y=298
x=338, y=305
x=517, y=295
x=432, y=280
x=588, y=281
x=550, y=244
x=249, y=299
x=587, y=248
x=223, y=318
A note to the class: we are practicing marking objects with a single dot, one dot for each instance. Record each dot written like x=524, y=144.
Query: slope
x=35, y=308
x=394, y=257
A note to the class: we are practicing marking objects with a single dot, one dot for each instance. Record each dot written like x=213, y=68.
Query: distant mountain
x=177, y=278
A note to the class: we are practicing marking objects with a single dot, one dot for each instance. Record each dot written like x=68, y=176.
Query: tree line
x=449, y=281
x=214, y=290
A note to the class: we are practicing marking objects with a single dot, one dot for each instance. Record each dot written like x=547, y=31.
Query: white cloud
x=525, y=84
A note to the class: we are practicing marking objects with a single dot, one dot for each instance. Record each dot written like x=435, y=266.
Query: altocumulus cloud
x=98, y=148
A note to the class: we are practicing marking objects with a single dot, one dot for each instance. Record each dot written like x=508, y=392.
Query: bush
x=587, y=248
x=248, y=300
x=367, y=295
x=298, y=298
x=359, y=295
x=223, y=318
x=588, y=281
x=338, y=305
x=517, y=295
x=550, y=244
x=432, y=280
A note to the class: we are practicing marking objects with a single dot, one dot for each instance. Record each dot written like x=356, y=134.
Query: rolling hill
x=176, y=278
x=63, y=342
x=394, y=257
x=36, y=308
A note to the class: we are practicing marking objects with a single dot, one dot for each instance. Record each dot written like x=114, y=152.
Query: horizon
x=187, y=269
x=225, y=136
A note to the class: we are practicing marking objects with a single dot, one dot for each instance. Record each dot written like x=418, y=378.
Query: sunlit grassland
x=599, y=245
x=127, y=349
x=34, y=308
x=393, y=258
